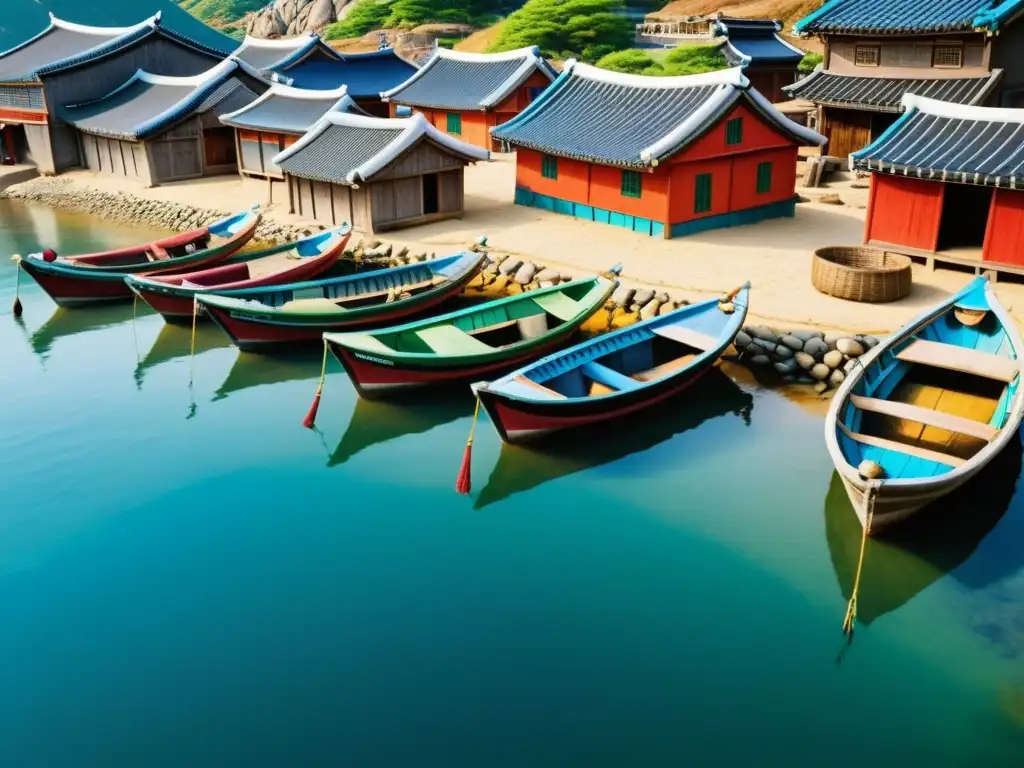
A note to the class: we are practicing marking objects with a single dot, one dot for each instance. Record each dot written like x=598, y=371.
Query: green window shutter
x=455, y=123
x=702, y=198
x=734, y=131
x=632, y=184
x=764, y=177
x=549, y=167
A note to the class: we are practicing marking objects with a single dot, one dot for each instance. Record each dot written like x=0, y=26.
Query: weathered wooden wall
x=177, y=153
x=121, y=158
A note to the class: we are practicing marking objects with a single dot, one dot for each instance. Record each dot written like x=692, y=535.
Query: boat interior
x=934, y=401
x=169, y=248
x=272, y=262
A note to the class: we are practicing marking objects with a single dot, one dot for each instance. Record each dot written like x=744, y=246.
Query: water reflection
x=520, y=468
x=252, y=370
x=64, y=323
x=174, y=342
x=377, y=421
x=929, y=545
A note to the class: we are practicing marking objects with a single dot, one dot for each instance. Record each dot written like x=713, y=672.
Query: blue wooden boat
x=615, y=374
x=928, y=408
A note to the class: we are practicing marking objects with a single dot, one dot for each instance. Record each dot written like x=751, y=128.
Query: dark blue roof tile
x=885, y=94
x=755, y=42
x=270, y=54
x=289, y=110
x=365, y=75
x=907, y=16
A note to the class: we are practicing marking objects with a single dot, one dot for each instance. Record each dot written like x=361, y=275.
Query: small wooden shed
x=159, y=129
x=376, y=173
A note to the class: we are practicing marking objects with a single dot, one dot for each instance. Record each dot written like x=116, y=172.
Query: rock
x=816, y=348
x=760, y=360
x=849, y=366
x=402, y=252
x=668, y=306
x=643, y=296
x=509, y=266
x=662, y=297
x=767, y=346
x=650, y=310
x=547, y=274
x=794, y=343
x=525, y=274
x=820, y=372
x=837, y=378
x=804, y=360
x=623, y=296
x=832, y=338
x=831, y=199
x=870, y=342
x=742, y=340
x=802, y=199
x=833, y=358
x=820, y=387
x=321, y=13
x=784, y=352
x=850, y=347
x=805, y=335
x=786, y=366
x=763, y=332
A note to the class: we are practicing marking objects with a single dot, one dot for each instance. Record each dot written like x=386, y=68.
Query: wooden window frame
x=958, y=47
x=734, y=131
x=877, y=49
x=453, y=124
x=549, y=167
x=699, y=205
x=631, y=184
x=764, y=177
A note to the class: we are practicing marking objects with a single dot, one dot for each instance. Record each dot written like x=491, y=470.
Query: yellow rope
x=135, y=336
x=851, y=608
x=472, y=429
x=192, y=349
x=323, y=371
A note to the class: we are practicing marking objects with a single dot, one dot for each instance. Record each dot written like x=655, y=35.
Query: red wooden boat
x=173, y=295
x=99, y=277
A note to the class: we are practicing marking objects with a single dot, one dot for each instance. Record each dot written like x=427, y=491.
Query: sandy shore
x=774, y=255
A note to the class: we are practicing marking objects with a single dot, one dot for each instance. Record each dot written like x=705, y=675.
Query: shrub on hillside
x=585, y=29
x=365, y=16
x=810, y=61
x=633, y=61
x=681, y=61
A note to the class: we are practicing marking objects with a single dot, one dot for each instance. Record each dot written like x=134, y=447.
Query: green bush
x=680, y=61
x=810, y=61
x=585, y=29
x=633, y=61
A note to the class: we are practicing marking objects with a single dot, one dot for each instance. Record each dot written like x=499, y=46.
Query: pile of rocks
x=803, y=355
x=57, y=192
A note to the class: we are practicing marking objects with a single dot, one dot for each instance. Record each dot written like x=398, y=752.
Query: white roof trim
x=813, y=138
x=85, y=29
x=675, y=137
x=284, y=43
x=962, y=111
x=339, y=95
x=733, y=77
x=778, y=36
x=727, y=43
x=413, y=128
x=195, y=80
x=530, y=52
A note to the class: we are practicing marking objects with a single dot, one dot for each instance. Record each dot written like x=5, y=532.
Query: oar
x=16, y=308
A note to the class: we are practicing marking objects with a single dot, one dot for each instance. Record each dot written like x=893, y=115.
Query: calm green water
x=190, y=578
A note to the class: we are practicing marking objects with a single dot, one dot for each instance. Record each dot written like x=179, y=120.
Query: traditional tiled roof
x=280, y=54
x=469, y=81
x=149, y=104
x=884, y=94
x=908, y=16
x=365, y=74
x=343, y=148
x=290, y=110
x=942, y=141
x=63, y=41
x=632, y=120
x=755, y=42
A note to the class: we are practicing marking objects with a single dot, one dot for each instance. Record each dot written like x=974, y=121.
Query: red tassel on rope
x=464, y=482
x=310, y=421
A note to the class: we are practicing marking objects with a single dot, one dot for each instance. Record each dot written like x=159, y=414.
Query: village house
x=157, y=128
x=280, y=53
x=664, y=156
x=768, y=61
x=876, y=51
x=376, y=173
x=69, y=62
x=467, y=94
x=947, y=182
x=276, y=120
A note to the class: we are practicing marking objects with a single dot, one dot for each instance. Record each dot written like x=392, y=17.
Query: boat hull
x=376, y=378
x=520, y=421
x=893, y=503
x=72, y=292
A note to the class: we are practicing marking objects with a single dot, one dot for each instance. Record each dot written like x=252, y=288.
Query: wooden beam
x=953, y=358
x=910, y=450
x=927, y=416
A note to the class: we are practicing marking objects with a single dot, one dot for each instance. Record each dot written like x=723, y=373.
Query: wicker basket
x=861, y=274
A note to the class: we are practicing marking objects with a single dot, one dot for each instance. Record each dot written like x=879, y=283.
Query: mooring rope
x=851, y=608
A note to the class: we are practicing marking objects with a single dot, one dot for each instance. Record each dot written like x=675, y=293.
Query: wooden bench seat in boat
x=540, y=388
x=927, y=416
x=398, y=290
x=687, y=336
x=559, y=305
x=962, y=359
x=659, y=371
x=602, y=374
x=910, y=450
x=449, y=340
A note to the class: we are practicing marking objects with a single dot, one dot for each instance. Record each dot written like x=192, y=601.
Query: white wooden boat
x=926, y=409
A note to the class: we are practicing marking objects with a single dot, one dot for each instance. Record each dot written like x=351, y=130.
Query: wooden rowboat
x=925, y=411
x=99, y=277
x=261, y=318
x=470, y=342
x=172, y=295
x=615, y=374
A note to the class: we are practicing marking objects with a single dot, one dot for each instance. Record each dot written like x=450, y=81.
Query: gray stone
x=742, y=340
x=524, y=275
x=870, y=342
x=820, y=372
x=547, y=274
x=833, y=358
x=832, y=338
x=850, y=347
x=650, y=310
x=760, y=360
x=509, y=266
x=805, y=335
x=804, y=360
x=794, y=343
x=668, y=306
x=784, y=352
x=786, y=366
x=849, y=366
x=767, y=346
x=662, y=297
x=816, y=348
x=763, y=332
x=643, y=296
x=820, y=387
x=837, y=378
x=623, y=296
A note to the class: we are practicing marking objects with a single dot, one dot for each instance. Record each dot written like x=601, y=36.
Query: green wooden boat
x=469, y=343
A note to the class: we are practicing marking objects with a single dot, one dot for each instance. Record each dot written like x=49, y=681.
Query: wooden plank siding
x=847, y=130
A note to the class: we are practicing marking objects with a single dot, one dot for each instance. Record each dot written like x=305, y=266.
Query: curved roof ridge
x=85, y=29
x=292, y=92
x=228, y=65
x=281, y=43
x=949, y=109
x=519, y=53
x=732, y=77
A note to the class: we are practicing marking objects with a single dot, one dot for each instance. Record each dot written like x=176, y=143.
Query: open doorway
x=965, y=209
x=430, y=195
x=13, y=144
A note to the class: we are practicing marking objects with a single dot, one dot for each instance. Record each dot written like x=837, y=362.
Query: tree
x=586, y=29
x=693, y=60
x=810, y=61
x=632, y=61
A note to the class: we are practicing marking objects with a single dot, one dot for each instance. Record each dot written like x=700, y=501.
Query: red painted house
x=467, y=94
x=665, y=156
x=946, y=179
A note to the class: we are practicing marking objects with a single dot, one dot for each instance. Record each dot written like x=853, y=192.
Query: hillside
x=222, y=14
x=21, y=19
